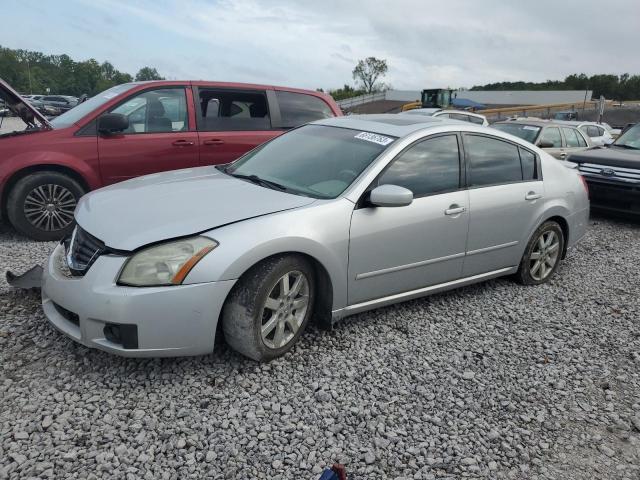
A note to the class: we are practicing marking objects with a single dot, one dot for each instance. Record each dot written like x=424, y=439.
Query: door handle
x=563, y=154
x=454, y=210
x=532, y=196
x=183, y=143
x=213, y=141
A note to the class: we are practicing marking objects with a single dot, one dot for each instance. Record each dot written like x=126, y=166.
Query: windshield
x=630, y=138
x=78, y=112
x=314, y=160
x=525, y=132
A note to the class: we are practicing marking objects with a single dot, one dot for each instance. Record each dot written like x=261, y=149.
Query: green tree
x=345, y=92
x=148, y=73
x=369, y=71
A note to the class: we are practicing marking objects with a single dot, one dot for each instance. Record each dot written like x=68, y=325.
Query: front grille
x=620, y=174
x=82, y=250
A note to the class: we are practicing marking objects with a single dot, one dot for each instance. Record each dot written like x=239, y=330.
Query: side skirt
x=421, y=292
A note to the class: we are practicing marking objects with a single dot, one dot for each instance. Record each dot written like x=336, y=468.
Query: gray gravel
x=491, y=381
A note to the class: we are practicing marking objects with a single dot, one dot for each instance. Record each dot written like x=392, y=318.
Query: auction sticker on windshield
x=375, y=138
x=529, y=127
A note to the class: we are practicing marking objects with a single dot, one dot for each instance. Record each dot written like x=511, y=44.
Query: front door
x=506, y=200
x=573, y=140
x=231, y=122
x=158, y=137
x=551, y=136
x=395, y=250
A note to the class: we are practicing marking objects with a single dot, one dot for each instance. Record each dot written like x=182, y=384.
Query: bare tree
x=368, y=71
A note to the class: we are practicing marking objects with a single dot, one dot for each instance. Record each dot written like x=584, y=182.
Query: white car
x=461, y=115
x=598, y=133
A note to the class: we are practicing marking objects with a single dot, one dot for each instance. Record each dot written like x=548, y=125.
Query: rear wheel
x=270, y=307
x=542, y=255
x=41, y=205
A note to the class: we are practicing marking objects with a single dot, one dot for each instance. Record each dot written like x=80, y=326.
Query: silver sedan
x=333, y=218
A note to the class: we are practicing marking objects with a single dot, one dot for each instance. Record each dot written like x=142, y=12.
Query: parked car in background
x=566, y=115
x=558, y=139
x=461, y=115
x=135, y=129
x=331, y=219
x=613, y=173
x=597, y=133
x=59, y=103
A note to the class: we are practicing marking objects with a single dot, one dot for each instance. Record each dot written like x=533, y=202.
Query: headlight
x=165, y=264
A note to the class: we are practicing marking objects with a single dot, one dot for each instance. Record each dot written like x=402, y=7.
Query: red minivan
x=131, y=130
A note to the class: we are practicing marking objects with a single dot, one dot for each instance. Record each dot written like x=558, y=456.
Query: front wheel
x=270, y=307
x=41, y=205
x=542, y=255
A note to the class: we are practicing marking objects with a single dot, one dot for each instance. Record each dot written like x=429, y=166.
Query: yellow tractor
x=432, y=98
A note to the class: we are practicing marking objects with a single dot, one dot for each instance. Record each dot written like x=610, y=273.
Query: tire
x=534, y=272
x=41, y=204
x=245, y=313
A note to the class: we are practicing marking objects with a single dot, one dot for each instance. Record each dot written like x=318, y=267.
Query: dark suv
x=135, y=129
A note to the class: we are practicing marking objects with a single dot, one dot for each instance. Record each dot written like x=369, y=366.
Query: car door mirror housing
x=390, y=196
x=112, y=123
x=545, y=145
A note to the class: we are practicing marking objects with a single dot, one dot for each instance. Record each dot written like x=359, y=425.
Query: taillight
x=585, y=184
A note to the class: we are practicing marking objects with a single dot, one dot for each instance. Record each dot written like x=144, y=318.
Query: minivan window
x=155, y=111
x=83, y=109
x=232, y=110
x=491, y=161
x=429, y=167
x=299, y=108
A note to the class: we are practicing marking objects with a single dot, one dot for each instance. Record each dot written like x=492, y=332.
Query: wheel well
x=324, y=291
x=38, y=168
x=565, y=231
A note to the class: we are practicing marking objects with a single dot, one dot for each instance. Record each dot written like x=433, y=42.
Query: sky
x=317, y=43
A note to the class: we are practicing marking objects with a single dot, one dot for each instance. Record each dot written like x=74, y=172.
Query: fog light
x=125, y=335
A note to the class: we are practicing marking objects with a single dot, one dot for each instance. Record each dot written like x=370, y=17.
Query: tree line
x=615, y=87
x=34, y=72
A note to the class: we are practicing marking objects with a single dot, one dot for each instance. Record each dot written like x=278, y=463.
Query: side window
x=299, y=108
x=476, y=120
x=155, y=111
x=600, y=131
x=529, y=164
x=459, y=116
x=491, y=161
x=592, y=131
x=429, y=167
x=232, y=110
x=551, y=135
x=581, y=141
x=571, y=137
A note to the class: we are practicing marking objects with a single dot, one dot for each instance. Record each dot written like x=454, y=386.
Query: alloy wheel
x=285, y=309
x=544, y=255
x=50, y=207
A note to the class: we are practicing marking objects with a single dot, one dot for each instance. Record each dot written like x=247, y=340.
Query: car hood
x=22, y=108
x=131, y=214
x=611, y=156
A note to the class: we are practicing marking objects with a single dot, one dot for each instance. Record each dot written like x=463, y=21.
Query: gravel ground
x=490, y=381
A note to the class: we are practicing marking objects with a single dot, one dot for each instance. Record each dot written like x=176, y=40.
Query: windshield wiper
x=260, y=181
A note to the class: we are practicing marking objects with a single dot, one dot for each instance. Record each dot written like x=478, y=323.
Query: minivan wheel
x=41, y=205
x=269, y=307
x=542, y=255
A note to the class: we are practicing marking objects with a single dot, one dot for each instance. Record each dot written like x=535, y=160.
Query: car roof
x=422, y=111
x=389, y=123
x=538, y=123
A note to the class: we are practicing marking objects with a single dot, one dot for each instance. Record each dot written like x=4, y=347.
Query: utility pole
x=29, y=71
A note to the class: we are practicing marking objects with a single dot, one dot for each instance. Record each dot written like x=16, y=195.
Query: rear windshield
x=526, y=132
x=81, y=110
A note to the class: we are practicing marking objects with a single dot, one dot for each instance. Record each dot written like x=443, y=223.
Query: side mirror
x=545, y=145
x=390, y=196
x=112, y=123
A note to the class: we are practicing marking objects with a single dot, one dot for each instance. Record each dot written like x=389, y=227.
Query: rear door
x=553, y=136
x=158, y=137
x=506, y=199
x=232, y=121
